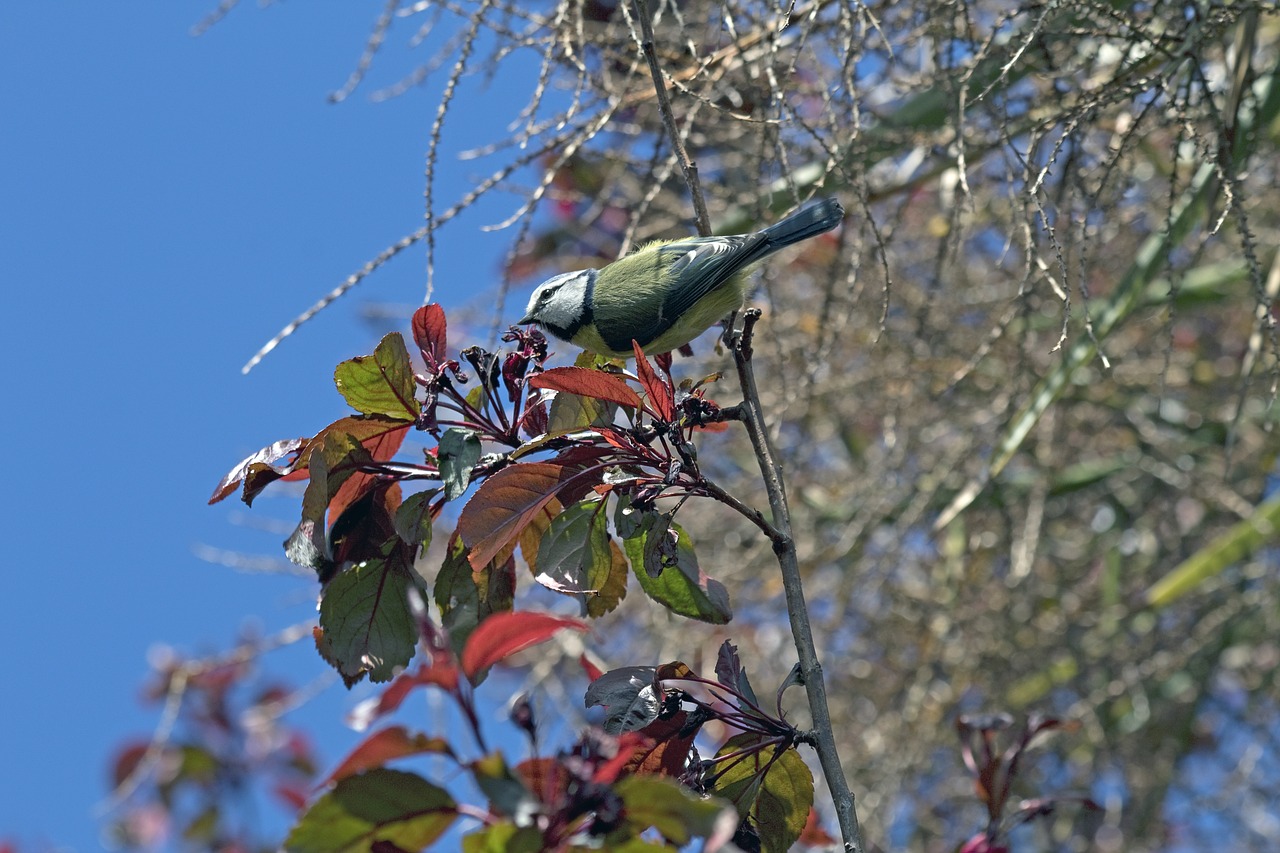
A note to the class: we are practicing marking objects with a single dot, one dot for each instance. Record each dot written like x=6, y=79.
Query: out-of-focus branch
x=687, y=166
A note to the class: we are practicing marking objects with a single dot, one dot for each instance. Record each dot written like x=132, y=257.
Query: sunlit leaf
x=775, y=789
x=382, y=383
x=531, y=537
x=676, y=813
x=577, y=555
x=682, y=587
x=569, y=413
x=503, y=838
x=267, y=455
x=429, y=333
x=588, y=383
x=660, y=398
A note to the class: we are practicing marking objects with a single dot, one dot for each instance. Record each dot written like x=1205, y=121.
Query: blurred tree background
x=1026, y=398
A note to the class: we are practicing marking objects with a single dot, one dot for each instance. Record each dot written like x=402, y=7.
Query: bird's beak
x=525, y=320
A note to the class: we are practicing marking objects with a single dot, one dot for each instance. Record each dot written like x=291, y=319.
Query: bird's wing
x=704, y=264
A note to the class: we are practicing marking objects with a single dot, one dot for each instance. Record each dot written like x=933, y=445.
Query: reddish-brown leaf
x=588, y=383
x=127, y=760
x=382, y=446
x=505, y=504
x=662, y=401
x=546, y=777
x=382, y=746
x=265, y=456
x=429, y=333
x=293, y=796
x=663, y=750
x=629, y=744
x=813, y=835
x=444, y=677
x=504, y=634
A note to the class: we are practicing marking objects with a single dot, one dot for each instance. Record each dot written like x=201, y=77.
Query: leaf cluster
x=581, y=470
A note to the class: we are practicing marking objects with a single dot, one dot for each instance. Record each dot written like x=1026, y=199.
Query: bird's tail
x=809, y=221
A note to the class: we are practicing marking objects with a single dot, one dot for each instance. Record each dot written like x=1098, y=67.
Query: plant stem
x=784, y=547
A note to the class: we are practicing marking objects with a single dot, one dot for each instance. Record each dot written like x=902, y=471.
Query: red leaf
x=813, y=835
x=629, y=744
x=429, y=334
x=382, y=446
x=662, y=751
x=547, y=778
x=504, y=634
x=127, y=760
x=292, y=795
x=383, y=746
x=661, y=399
x=588, y=383
x=266, y=455
x=444, y=677
x=589, y=667
x=506, y=503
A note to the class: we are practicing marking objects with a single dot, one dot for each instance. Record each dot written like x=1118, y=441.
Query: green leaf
x=467, y=596
x=506, y=792
x=382, y=383
x=364, y=613
x=681, y=587
x=610, y=587
x=457, y=595
x=380, y=805
x=572, y=412
x=671, y=809
x=503, y=838
x=1241, y=540
x=775, y=794
x=576, y=555
x=459, y=453
x=413, y=518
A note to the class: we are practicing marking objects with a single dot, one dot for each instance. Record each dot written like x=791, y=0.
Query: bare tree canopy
x=1026, y=401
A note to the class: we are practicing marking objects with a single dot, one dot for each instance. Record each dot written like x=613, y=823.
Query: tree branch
x=797, y=611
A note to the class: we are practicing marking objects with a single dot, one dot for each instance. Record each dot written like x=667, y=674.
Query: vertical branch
x=783, y=544
x=784, y=547
x=687, y=166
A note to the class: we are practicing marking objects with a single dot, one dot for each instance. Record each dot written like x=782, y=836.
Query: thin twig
x=179, y=680
x=687, y=166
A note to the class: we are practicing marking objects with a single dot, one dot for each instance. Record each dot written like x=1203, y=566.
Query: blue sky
x=167, y=203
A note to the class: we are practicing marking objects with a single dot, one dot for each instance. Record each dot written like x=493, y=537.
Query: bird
x=666, y=293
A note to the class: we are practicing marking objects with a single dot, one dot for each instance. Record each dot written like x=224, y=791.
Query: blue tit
x=667, y=292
